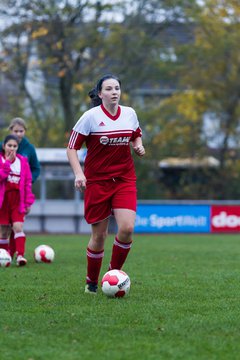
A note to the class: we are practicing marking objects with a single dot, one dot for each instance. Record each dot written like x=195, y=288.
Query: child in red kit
x=16, y=195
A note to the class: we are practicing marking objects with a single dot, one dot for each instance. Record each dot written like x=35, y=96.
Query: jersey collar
x=115, y=117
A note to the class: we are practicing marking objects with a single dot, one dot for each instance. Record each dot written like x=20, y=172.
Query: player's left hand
x=80, y=183
x=27, y=210
x=139, y=150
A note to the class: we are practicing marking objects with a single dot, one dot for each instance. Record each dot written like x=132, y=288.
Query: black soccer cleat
x=91, y=288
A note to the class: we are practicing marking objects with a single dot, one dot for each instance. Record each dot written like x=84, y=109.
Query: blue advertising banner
x=172, y=218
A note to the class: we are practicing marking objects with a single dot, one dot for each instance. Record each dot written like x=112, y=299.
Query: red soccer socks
x=94, y=263
x=120, y=252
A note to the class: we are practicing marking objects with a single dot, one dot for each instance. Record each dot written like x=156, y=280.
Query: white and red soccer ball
x=5, y=258
x=44, y=253
x=115, y=283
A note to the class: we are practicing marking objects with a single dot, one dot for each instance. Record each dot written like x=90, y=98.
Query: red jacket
x=25, y=186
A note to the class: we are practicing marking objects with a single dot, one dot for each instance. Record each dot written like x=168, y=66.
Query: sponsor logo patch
x=104, y=140
x=121, y=140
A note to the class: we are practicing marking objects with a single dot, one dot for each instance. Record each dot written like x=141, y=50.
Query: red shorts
x=101, y=197
x=9, y=212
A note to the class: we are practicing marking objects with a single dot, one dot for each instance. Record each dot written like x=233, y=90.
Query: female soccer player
x=16, y=195
x=18, y=128
x=109, y=178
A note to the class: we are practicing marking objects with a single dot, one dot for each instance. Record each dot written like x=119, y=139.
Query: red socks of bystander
x=12, y=244
x=4, y=244
x=20, y=240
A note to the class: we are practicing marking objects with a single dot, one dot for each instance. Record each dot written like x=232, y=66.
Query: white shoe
x=21, y=261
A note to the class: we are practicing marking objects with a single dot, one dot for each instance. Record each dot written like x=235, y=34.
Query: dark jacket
x=26, y=149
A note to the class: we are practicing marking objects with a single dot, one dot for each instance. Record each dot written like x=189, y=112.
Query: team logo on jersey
x=121, y=140
x=104, y=140
x=14, y=179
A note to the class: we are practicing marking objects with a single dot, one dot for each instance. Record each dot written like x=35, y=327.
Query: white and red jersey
x=13, y=178
x=108, y=140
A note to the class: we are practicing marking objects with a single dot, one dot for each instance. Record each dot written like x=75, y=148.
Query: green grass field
x=184, y=302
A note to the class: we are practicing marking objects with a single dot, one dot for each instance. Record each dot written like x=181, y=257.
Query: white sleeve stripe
x=128, y=132
x=73, y=139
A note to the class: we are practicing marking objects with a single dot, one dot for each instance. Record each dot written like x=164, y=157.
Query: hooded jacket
x=25, y=185
x=26, y=149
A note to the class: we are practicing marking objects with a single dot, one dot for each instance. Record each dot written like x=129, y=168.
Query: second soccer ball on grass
x=5, y=258
x=44, y=253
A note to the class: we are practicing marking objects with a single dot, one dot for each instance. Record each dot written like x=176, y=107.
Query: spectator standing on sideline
x=16, y=195
x=18, y=128
x=109, y=178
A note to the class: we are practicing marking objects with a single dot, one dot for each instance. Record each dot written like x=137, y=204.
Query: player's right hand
x=10, y=155
x=139, y=150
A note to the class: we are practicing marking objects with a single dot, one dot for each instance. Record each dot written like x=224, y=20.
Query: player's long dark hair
x=10, y=137
x=93, y=94
x=6, y=139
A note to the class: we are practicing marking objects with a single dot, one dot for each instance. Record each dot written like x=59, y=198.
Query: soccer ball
x=115, y=283
x=44, y=253
x=5, y=258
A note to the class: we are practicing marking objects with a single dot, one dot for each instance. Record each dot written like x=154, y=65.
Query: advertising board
x=225, y=218
x=172, y=218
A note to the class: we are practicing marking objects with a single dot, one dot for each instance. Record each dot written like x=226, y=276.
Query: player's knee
x=17, y=228
x=127, y=230
x=100, y=236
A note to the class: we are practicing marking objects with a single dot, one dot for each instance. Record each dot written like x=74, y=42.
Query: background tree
x=52, y=53
x=214, y=69
x=203, y=115
x=63, y=50
x=49, y=44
